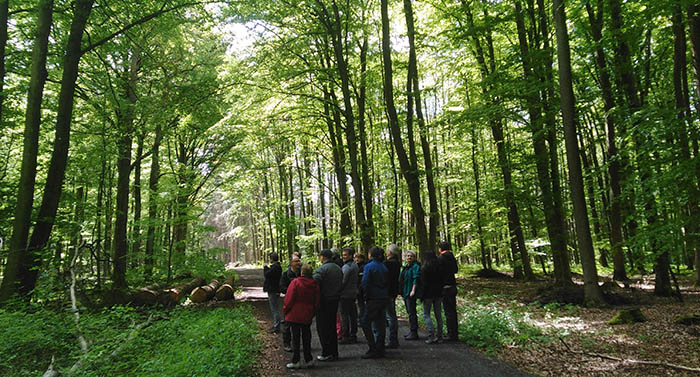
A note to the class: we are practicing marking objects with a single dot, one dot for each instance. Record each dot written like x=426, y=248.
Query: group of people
x=344, y=285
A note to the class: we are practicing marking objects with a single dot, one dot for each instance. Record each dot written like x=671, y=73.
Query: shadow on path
x=412, y=358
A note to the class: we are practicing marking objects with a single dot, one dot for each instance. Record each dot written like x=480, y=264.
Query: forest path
x=412, y=358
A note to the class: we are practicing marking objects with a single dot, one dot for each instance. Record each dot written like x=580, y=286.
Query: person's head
x=445, y=245
x=296, y=254
x=273, y=257
x=376, y=253
x=306, y=270
x=429, y=258
x=410, y=256
x=348, y=253
x=326, y=255
x=359, y=258
x=295, y=263
x=393, y=251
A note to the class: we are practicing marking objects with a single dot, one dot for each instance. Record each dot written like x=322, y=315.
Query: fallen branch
x=630, y=361
x=50, y=372
x=134, y=332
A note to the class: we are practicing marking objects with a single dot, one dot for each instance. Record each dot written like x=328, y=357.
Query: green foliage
x=123, y=341
x=490, y=327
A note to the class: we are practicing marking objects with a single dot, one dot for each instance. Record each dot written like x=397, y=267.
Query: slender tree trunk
x=361, y=125
x=485, y=261
x=408, y=170
x=614, y=168
x=152, y=203
x=414, y=89
x=59, y=156
x=136, y=245
x=592, y=292
x=558, y=239
x=126, y=127
x=4, y=13
x=14, y=268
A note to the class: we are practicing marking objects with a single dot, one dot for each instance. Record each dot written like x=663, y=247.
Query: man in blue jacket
x=374, y=286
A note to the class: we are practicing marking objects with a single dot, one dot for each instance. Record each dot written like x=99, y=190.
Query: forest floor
x=563, y=342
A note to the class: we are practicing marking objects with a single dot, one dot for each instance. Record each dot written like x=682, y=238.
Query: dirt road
x=412, y=358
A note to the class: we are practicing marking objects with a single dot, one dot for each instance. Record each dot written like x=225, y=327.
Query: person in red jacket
x=300, y=304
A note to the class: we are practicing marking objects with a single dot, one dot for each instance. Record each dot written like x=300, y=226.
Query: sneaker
x=288, y=347
x=296, y=365
x=412, y=337
x=326, y=358
x=273, y=330
x=431, y=340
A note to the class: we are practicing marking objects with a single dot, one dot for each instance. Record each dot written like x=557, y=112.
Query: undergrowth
x=123, y=341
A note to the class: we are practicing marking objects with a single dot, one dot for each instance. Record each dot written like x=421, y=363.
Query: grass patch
x=179, y=342
x=490, y=327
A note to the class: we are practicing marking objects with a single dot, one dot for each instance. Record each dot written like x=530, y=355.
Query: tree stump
x=626, y=316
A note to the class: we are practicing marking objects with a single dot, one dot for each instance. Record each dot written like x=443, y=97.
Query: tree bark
x=25, y=192
x=205, y=292
x=152, y=202
x=408, y=170
x=592, y=292
x=4, y=13
x=59, y=156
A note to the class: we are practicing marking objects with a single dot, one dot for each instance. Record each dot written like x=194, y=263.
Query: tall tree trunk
x=59, y=156
x=136, y=237
x=521, y=260
x=4, y=13
x=485, y=260
x=152, y=203
x=414, y=89
x=361, y=125
x=557, y=238
x=25, y=193
x=592, y=292
x=614, y=168
x=126, y=128
x=408, y=170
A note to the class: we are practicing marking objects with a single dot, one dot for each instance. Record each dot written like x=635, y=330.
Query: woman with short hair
x=410, y=288
x=300, y=304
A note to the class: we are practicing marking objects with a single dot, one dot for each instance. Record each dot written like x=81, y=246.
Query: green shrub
x=489, y=327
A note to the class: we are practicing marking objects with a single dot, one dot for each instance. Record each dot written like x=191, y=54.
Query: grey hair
x=411, y=252
x=393, y=250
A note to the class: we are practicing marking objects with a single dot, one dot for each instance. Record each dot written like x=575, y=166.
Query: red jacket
x=302, y=300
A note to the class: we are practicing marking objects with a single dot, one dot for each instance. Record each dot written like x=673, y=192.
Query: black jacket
x=432, y=276
x=448, y=263
x=272, y=278
x=287, y=278
x=394, y=266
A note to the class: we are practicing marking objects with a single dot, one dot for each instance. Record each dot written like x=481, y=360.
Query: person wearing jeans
x=393, y=265
x=410, y=273
x=432, y=279
x=374, y=285
x=271, y=285
x=348, y=294
x=330, y=278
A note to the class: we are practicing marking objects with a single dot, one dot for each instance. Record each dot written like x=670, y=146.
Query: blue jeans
x=436, y=303
x=392, y=320
x=273, y=298
x=374, y=317
x=410, y=303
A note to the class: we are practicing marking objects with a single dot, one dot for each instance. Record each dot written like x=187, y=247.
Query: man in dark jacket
x=330, y=278
x=292, y=272
x=348, y=294
x=448, y=265
x=393, y=265
x=272, y=287
x=374, y=285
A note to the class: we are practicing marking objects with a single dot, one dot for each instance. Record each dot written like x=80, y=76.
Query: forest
x=554, y=144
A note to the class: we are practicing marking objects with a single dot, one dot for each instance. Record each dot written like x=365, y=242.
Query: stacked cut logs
x=174, y=295
x=205, y=292
x=225, y=292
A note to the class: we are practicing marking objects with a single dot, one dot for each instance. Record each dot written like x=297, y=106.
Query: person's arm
x=415, y=271
x=346, y=276
x=289, y=300
x=365, y=278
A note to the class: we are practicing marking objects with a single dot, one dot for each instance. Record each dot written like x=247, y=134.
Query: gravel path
x=412, y=358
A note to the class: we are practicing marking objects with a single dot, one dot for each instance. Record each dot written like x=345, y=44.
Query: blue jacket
x=374, y=284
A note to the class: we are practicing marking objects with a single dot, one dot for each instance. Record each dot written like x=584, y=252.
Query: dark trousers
x=304, y=332
x=392, y=320
x=374, y=316
x=348, y=317
x=449, y=304
x=410, y=303
x=325, y=324
x=286, y=333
